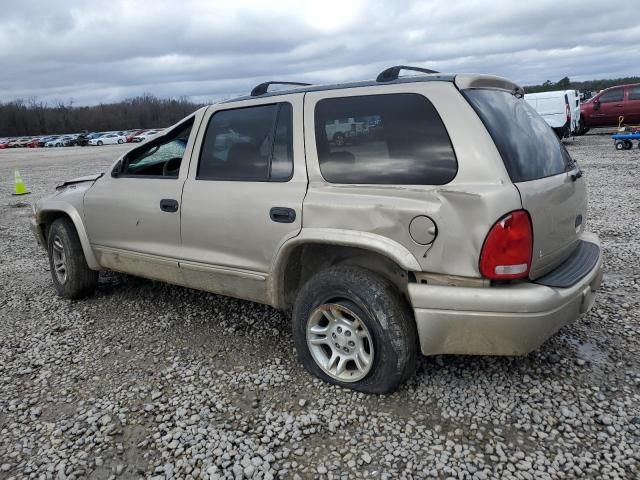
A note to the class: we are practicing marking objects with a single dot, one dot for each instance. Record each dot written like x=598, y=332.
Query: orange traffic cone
x=21, y=188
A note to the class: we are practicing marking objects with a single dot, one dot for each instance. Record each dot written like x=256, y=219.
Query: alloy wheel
x=340, y=342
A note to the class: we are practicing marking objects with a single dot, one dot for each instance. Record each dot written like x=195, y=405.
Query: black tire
x=380, y=307
x=619, y=145
x=80, y=280
x=339, y=139
x=100, y=143
x=628, y=145
x=120, y=141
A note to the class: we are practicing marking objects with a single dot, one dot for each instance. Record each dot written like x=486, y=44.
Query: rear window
x=396, y=139
x=529, y=148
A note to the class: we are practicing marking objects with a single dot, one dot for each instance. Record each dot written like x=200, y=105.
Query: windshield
x=529, y=148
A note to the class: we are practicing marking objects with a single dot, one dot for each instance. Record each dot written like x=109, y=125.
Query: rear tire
x=72, y=277
x=619, y=146
x=100, y=143
x=120, y=141
x=628, y=145
x=344, y=304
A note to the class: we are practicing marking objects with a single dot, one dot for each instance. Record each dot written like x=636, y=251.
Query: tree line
x=34, y=117
x=585, y=86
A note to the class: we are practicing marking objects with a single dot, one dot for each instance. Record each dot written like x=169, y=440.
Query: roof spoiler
x=467, y=81
x=392, y=73
x=264, y=87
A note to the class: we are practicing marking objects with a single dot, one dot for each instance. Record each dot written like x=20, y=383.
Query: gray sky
x=95, y=51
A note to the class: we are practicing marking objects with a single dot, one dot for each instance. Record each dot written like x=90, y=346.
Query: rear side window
x=253, y=143
x=634, y=93
x=394, y=139
x=529, y=148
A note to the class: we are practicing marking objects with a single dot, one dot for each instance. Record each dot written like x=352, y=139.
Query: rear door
x=632, y=105
x=243, y=196
x=541, y=169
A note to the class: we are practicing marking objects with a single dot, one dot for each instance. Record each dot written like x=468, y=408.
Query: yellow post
x=21, y=188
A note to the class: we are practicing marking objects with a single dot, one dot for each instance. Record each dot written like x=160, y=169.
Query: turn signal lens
x=506, y=253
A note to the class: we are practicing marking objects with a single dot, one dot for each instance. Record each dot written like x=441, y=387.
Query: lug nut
x=347, y=333
x=333, y=334
x=339, y=330
x=352, y=343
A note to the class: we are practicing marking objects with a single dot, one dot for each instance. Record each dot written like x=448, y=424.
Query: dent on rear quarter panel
x=463, y=215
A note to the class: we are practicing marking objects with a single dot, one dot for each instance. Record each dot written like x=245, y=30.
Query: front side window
x=161, y=157
x=634, y=93
x=615, y=95
x=253, y=143
x=394, y=139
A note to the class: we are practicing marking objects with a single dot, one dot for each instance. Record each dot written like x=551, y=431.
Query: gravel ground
x=151, y=380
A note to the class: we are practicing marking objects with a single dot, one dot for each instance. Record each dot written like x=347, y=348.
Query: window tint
x=160, y=157
x=634, y=93
x=394, y=139
x=253, y=143
x=529, y=148
x=614, y=95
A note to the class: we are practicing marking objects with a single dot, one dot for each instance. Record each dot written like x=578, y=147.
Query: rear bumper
x=499, y=320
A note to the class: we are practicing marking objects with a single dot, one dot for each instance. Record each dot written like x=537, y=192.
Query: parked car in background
x=57, y=141
x=19, y=142
x=145, y=136
x=434, y=236
x=605, y=108
x=70, y=140
x=42, y=141
x=560, y=109
x=84, y=139
x=4, y=143
x=107, y=139
x=133, y=134
x=34, y=142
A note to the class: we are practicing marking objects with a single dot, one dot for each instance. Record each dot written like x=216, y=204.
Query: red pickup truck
x=606, y=108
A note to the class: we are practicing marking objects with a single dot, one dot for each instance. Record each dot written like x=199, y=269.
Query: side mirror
x=596, y=104
x=117, y=168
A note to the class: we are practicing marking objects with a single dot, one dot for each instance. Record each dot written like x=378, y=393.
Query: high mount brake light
x=506, y=253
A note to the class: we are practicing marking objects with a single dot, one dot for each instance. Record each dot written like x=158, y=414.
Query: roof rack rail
x=264, y=87
x=392, y=73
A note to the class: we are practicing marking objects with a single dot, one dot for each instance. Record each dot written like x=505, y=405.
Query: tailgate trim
x=574, y=268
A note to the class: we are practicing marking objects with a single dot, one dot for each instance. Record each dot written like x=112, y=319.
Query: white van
x=560, y=109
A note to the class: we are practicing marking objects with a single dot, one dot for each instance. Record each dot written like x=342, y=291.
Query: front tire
x=352, y=328
x=120, y=141
x=72, y=277
x=100, y=143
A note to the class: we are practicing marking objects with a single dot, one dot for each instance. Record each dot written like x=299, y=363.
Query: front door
x=610, y=109
x=243, y=196
x=132, y=214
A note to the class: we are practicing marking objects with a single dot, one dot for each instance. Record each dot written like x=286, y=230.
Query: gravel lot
x=151, y=380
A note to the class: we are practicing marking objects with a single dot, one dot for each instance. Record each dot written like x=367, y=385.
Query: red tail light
x=506, y=253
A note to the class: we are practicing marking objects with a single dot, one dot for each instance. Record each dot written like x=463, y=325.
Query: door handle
x=282, y=214
x=168, y=205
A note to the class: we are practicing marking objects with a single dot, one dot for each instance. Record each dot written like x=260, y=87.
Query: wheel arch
x=48, y=215
x=302, y=257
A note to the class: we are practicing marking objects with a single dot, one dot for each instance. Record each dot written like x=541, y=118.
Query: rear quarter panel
x=464, y=210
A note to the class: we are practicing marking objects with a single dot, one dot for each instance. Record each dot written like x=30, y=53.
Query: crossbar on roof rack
x=264, y=87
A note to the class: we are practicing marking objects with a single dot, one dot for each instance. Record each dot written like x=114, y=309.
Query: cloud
x=106, y=50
